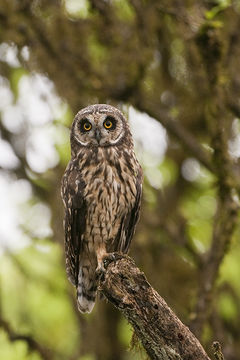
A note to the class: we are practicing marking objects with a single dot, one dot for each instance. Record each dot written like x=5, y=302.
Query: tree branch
x=162, y=334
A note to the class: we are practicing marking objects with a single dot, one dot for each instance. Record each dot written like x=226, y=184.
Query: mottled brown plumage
x=101, y=191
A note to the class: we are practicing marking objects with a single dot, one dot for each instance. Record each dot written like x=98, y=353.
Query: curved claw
x=100, y=272
x=112, y=257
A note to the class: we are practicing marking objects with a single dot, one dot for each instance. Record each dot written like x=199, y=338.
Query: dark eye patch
x=110, y=120
x=85, y=125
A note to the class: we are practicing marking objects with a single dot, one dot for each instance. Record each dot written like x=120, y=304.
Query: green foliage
x=62, y=144
x=97, y=51
x=215, y=10
x=227, y=307
x=41, y=307
x=15, y=351
x=230, y=270
x=169, y=172
x=199, y=208
x=124, y=10
x=14, y=78
x=87, y=357
x=125, y=332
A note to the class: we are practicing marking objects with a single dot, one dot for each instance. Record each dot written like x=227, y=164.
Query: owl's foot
x=112, y=257
x=106, y=260
x=100, y=272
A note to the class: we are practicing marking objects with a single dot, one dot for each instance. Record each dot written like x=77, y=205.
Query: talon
x=105, y=263
x=100, y=272
x=112, y=257
x=108, y=259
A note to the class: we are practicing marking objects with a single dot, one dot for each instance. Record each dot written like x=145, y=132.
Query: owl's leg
x=112, y=257
x=101, y=254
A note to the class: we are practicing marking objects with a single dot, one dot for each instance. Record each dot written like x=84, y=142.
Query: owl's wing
x=74, y=221
x=129, y=222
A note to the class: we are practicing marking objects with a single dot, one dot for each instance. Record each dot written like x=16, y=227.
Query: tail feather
x=86, y=290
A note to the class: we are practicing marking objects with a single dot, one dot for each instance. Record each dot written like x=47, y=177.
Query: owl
x=101, y=192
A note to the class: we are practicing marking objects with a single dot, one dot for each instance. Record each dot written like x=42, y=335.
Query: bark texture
x=162, y=334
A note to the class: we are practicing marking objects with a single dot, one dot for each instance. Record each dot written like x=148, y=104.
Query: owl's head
x=99, y=125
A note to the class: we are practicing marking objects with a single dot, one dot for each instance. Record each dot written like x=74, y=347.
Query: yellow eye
x=108, y=124
x=87, y=126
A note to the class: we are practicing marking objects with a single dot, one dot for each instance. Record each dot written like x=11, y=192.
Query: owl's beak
x=97, y=135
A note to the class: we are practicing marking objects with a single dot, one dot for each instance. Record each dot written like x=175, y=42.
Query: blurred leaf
x=62, y=144
x=124, y=10
x=87, y=357
x=14, y=78
x=169, y=171
x=223, y=5
x=43, y=301
x=125, y=332
x=227, y=307
x=230, y=269
x=66, y=117
x=16, y=350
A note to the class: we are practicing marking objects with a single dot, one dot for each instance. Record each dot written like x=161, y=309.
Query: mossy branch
x=160, y=331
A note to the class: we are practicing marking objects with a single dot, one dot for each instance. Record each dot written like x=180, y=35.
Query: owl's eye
x=109, y=123
x=86, y=125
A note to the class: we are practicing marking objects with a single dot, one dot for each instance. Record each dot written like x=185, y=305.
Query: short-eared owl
x=101, y=191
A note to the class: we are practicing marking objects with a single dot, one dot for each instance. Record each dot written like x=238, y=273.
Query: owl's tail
x=86, y=289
